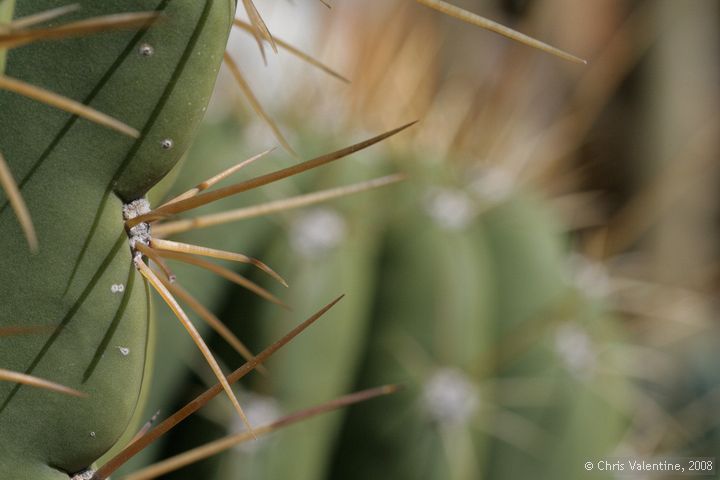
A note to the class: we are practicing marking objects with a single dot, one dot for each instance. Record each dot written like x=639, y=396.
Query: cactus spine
x=82, y=284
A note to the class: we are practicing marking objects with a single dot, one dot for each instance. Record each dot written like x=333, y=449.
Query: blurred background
x=544, y=282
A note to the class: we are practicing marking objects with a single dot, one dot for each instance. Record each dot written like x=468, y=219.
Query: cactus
x=470, y=295
x=477, y=318
x=76, y=176
x=70, y=289
x=323, y=247
x=85, y=185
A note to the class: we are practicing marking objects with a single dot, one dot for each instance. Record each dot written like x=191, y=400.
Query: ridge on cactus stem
x=16, y=34
x=139, y=69
x=168, y=424
x=218, y=446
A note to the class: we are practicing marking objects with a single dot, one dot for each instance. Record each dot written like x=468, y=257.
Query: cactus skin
x=530, y=265
x=75, y=177
x=300, y=379
x=434, y=304
x=513, y=260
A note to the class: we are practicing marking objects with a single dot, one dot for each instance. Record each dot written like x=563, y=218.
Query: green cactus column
x=478, y=314
x=433, y=318
x=75, y=176
x=323, y=251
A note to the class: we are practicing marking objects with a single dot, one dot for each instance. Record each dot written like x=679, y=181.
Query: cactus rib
x=200, y=401
x=70, y=314
x=213, y=448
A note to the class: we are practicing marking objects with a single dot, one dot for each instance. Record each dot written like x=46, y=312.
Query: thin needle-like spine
x=46, y=16
x=168, y=424
x=18, y=204
x=159, y=287
x=146, y=427
x=212, y=320
x=225, y=273
x=295, y=51
x=171, y=246
x=16, y=377
x=255, y=103
x=66, y=104
x=179, y=226
x=209, y=197
x=25, y=330
x=213, y=448
x=202, y=186
x=258, y=39
x=487, y=24
x=157, y=259
x=259, y=24
x=17, y=38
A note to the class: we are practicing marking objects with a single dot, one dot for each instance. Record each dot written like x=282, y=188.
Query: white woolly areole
x=450, y=209
x=450, y=396
x=86, y=475
x=141, y=231
x=575, y=348
x=494, y=184
x=260, y=410
x=317, y=232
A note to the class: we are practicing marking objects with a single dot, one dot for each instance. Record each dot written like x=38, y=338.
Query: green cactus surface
x=468, y=309
x=75, y=177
